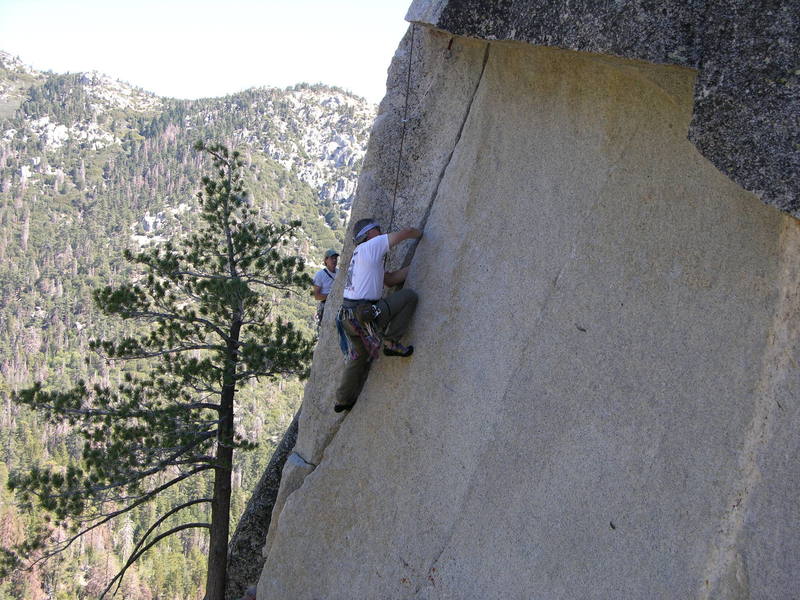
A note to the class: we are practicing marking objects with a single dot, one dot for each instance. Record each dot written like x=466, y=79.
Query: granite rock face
x=603, y=400
x=747, y=98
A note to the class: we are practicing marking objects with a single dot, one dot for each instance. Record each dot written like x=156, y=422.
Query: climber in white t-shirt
x=365, y=316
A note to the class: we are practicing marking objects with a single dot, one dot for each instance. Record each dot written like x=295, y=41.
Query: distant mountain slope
x=90, y=166
x=15, y=79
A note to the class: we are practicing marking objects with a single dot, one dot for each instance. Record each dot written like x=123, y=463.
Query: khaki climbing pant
x=396, y=312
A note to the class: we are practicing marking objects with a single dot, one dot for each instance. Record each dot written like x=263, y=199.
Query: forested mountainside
x=91, y=166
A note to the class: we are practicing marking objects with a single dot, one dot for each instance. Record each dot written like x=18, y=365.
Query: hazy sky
x=199, y=48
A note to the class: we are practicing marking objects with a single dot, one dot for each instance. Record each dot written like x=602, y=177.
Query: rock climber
x=323, y=281
x=365, y=317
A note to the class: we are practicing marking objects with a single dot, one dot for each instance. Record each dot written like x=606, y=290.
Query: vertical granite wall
x=603, y=401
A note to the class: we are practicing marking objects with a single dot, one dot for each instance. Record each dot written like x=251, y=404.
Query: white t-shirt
x=324, y=279
x=365, y=274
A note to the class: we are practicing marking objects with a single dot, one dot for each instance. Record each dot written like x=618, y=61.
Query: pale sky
x=203, y=48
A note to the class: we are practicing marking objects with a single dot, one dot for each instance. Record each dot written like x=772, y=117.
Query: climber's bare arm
x=404, y=234
x=392, y=278
x=316, y=291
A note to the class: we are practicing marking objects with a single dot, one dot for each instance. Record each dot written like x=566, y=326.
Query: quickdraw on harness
x=359, y=321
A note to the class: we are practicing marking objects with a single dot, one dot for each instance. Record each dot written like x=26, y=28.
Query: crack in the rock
x=410, y=253
x=295, y=457
x=776, y=365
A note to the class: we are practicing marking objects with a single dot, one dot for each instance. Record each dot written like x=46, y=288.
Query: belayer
x=365, y=318
x=323, y=282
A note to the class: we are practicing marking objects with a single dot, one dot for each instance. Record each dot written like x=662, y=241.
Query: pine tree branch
x=152, y=528
x=251, y=373
x=217, y=155
x=136, y=497
x=201, y=436
x=203, y=390
x=280, y=232
x=206, y=460
x=134, y=557
x=171, y=316
x=246, y=323
x=168, y=351
x=199, y=406
x=283, y=287
x=139, y=476
x=203, y=275
x=62, y=546
x=141, y=414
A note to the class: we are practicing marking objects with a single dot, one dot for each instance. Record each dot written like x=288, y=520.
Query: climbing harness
x=359, y=321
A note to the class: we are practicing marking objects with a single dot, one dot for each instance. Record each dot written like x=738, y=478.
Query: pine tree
x=209, y=331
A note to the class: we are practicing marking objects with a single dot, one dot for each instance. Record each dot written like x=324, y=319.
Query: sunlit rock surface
x=603, y=400
x=747, y=96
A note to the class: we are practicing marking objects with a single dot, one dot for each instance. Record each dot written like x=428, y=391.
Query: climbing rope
x=403, y=131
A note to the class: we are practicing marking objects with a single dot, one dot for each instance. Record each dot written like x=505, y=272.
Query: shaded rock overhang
x=746, y=117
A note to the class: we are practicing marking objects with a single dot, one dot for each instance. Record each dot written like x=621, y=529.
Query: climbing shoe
x=342, y=407
x=397, y=349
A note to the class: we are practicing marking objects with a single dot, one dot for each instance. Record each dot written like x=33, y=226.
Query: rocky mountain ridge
x=316, y=132
x=15, y=79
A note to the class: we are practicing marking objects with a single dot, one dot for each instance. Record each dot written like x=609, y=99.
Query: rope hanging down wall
x=403, y=130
